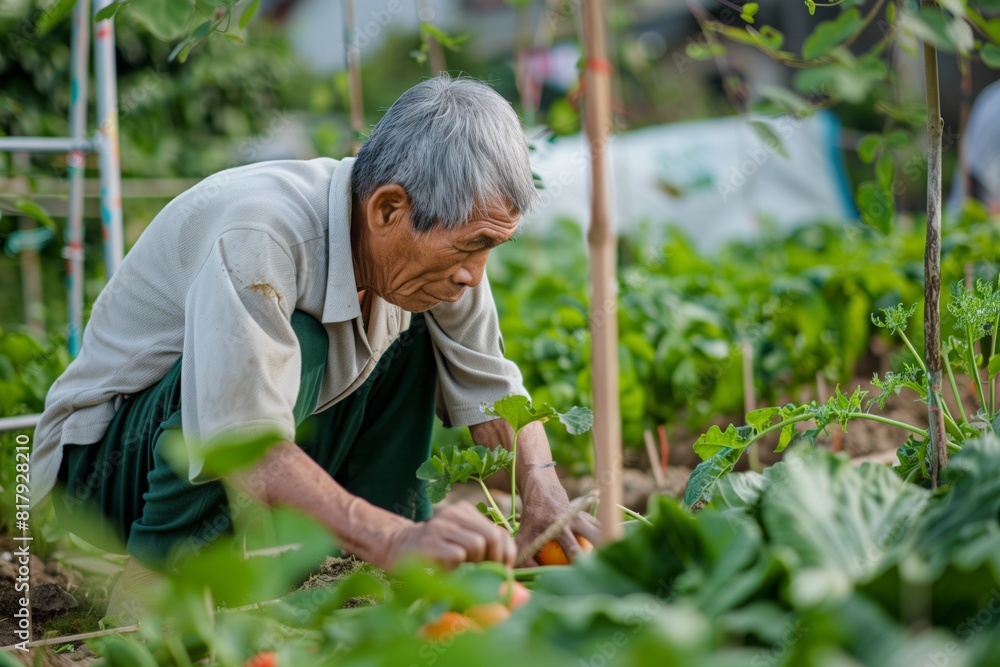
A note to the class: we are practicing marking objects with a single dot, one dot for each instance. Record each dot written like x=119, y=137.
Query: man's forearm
x=288, y=476
x=534, y=457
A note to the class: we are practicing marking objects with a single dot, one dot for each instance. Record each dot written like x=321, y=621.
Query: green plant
x=454, y=464
x=976, y=314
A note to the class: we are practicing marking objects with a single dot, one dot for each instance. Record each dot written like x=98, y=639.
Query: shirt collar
x=341, y=290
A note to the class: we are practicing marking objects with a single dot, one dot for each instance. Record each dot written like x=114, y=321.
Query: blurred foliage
x=815, y=562
x=803, y=300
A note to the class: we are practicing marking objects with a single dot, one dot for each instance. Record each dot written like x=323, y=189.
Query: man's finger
x=473, y=544
x=587, y=526
x=498, y=540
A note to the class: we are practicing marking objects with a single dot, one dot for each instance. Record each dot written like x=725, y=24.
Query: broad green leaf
x=966, y=517
x=786, y=437
x=883, y=172
x=249, y=13
x=933, y=25
x=109, y=11
x=994, y=366
x=843, y=522
x=761, y=418
x=706, y=474
x=577, y=420
x=715, y=440
x=181, y=51
x=769, y=137
x=790, y=101
x=54, y=15
x=867, y=147
x=166, y=19
x=35, y=211
x=876, y=208
x=742, y=491
x=829, y=34
x=517, y=411
x=990, y=54
x=220, y=456
x=201, y=32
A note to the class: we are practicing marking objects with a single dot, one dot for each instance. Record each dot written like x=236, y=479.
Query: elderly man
x=333, y=303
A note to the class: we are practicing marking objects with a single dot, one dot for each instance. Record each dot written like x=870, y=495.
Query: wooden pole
x=603, y=275
x=435, y=52
x=353, y=57
x=938, y=449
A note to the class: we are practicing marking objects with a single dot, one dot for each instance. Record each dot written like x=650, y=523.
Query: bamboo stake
x=932, y=266
x=353, y=57
x=603, y=275
x=654, y=463
x=661, y=433
x=435, y=53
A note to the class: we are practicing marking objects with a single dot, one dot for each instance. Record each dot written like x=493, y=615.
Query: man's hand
x=545, y=503
x=543, y=498
x=454, y=535
x=288, y=476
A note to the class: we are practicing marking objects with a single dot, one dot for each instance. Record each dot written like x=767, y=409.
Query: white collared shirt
x=216, y=276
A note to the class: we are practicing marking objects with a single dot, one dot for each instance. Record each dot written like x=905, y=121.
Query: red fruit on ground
x=489, y=614
x=265, y=659
x=449, y=625
x=553, y=554
x=520, y=596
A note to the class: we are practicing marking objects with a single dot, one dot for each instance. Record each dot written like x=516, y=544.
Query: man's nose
x=471, y=272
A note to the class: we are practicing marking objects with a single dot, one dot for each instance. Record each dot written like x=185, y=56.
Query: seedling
x=977, y=314
x=454, y=464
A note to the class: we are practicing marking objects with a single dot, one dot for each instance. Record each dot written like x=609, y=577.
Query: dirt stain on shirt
x=266, y=289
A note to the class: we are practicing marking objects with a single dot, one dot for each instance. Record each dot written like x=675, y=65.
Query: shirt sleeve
x=468, y=349
x=241, y=360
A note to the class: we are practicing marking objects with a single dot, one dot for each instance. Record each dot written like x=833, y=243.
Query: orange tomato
x=450, y=623
x=553, y=554
x=265, y=659
x=489, y=614
x=520, y=595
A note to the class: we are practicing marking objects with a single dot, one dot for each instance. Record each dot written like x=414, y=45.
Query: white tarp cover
x=714, y=179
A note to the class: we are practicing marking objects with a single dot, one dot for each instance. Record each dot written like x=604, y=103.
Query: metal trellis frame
x=105, y=144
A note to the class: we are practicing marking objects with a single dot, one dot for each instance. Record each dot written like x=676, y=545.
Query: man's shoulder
x=288, y=197
x=288, y=176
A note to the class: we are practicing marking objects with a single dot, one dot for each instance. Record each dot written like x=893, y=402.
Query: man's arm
x=543, y=498
x=457, y=533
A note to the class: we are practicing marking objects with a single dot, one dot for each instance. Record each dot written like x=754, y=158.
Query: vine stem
x=945, y=411
x=493, y=504
x=513, y=486
x=992, y=381
x=891, y=422
x=853, y=415
x=913, y=351
x=954, y=388
x=975, y=368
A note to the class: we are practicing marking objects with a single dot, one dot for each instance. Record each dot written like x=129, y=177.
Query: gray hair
x=455, y=146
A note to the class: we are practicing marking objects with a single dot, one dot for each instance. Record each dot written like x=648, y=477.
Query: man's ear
x=387, y=208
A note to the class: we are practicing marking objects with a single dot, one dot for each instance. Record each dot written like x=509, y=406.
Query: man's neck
x=361, y=252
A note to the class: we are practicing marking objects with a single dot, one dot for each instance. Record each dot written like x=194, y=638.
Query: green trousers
x=371, y=443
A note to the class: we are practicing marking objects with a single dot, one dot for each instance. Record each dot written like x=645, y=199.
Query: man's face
x=424, y=269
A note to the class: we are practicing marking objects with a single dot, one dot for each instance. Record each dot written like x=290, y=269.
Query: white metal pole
x=107, y=118
x=80, y=55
